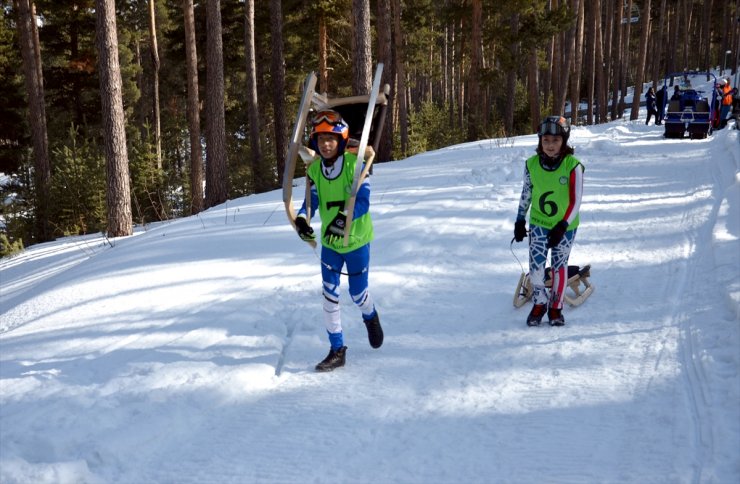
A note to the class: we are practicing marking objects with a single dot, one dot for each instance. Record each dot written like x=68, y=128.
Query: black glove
x=335, y=229
x=520, y=230
x=556, y=234
x=305, y=232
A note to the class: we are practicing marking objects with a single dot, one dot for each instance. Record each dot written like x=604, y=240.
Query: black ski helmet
x=555, y=125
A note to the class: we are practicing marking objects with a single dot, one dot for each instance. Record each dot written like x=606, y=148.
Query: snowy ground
x=185, y=353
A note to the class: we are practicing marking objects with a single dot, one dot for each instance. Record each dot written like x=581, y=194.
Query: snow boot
x=556, y=317
x=335, y=359
x=374, y=331
x=535, y=315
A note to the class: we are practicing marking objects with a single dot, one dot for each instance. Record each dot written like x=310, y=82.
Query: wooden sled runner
x=578, y=283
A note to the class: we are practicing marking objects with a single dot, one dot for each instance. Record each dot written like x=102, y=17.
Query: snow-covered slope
x=185, y=353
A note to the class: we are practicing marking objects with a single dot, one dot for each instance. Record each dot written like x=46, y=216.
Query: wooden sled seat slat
x=577, y=277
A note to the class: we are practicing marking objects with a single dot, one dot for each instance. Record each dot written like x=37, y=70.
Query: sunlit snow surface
x=185, y=353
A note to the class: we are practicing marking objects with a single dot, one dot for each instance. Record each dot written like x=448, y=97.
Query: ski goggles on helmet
x=554, y=125
x=331, y=117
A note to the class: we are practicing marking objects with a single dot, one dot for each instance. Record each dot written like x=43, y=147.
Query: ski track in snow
x=185, y=354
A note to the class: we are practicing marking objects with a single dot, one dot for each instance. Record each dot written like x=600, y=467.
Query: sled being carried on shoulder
x=578, y=283
x=364, y=115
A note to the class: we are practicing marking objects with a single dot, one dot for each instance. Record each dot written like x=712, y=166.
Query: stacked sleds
x=364, y=115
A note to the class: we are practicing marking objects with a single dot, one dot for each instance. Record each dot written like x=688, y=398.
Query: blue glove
x=305, y=232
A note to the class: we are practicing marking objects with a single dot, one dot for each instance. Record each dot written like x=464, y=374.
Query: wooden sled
x=365, y=117
x=578, y=283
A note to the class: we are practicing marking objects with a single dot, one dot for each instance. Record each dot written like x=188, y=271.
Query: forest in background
x=207, y=91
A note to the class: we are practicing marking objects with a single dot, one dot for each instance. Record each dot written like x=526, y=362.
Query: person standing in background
x=652, y=109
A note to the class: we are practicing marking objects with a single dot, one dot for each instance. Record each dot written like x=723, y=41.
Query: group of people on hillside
x=655, y=102
x=551, y=195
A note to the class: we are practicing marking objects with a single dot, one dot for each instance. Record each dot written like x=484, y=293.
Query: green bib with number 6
x=550, y=192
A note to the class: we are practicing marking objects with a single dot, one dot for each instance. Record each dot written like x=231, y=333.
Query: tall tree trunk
x=575, y=80
x=736, y=43
x=533, y=89
x=706, y=35
x=77, y=83
x=118, y=193
x=659, y=46
x=569, y=47
x=600, y=74
x=640, y=68
x=362, y=48
x=34, y=81
x=559, y=61
x=262, y=181
x=451, y=66
x=216, y=175
x=323, y=54
x=617, y=59
x=155, y=83
x=446, y=56
x=551, y=53
x=685, y=32
x=673, y=57
x=626, y=57
x=460, y=88
x=511, y=77
x=277, y=68
x=193, y=110
x=385, y=55
x=476, y=61
x=724, y=44
x=607, y=52
x=591, y=19
x=401, y=94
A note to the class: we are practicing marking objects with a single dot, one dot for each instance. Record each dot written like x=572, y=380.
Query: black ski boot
x=556, y=317
x=535, y=315
x=374, y=331
x=335, y=359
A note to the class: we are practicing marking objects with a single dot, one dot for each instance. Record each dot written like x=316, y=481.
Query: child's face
x=551, y=144
x=328, y=144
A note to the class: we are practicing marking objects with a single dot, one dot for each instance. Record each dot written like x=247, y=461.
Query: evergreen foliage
x=150, y=195
x=14, y=130
x=430, y=128
x=436, y=56
x=8, y=248
x=78, y=186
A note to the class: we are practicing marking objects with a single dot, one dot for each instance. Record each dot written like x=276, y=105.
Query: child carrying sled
x=330, y=180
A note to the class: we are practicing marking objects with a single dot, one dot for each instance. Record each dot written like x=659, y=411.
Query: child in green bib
x=552, y=191
x=331, y=180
